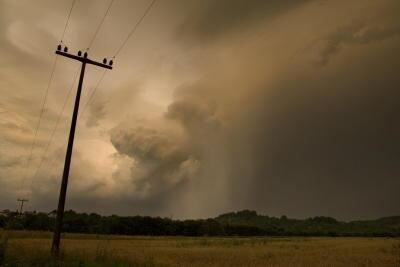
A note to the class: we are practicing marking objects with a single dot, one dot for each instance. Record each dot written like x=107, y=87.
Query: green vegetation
x=242, y=223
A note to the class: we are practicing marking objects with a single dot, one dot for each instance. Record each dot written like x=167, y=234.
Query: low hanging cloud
x=162, y=160
x=195, y=111
x=171, y=155
x=356, y=33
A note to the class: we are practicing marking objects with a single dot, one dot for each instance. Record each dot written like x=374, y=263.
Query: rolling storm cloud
x=284, y=107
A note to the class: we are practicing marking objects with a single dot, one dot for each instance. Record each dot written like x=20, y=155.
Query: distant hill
x=241, y=223
x=315, y=226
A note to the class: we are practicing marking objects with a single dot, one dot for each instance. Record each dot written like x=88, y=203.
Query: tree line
x=242, y=223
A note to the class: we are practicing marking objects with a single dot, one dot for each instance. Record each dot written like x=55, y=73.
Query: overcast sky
x=283, y=107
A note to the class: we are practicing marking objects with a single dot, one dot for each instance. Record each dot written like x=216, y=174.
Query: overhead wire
x=69, y=92
x=130, y=34
x=44, y=156
x=89, y=46
x=42, y=109
x=62, y=109
x=92, y=94
x=100, y=25
x=66, y=24
x=134, y=28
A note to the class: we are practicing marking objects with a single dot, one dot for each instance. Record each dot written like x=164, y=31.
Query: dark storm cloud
x=320, y=142
x=327, y=144
x=212, y=19
x=356, y=33
x=194, y=111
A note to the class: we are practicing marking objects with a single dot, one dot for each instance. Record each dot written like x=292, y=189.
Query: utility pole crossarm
x=83, y=59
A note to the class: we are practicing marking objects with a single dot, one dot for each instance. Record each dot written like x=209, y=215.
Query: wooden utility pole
x=55, y=249
x=22, y=204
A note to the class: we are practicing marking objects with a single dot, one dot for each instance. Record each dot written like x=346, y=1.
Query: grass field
x=31, y=249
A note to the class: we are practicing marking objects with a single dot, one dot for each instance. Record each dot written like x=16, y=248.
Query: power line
x=68, y=17
x=42, y=109
x=62, y=110
x=90, y=45
x=56, y=125
x=54, y=161
x=135, y=28
x=101, y=24
x=47, y=89
x=65, y=102
x=91, y=95
x=119, y=50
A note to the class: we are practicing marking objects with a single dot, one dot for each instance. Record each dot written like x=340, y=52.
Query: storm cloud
x=285, y=107
x=214, y=19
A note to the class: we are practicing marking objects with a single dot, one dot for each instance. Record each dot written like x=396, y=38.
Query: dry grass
x=94, y=250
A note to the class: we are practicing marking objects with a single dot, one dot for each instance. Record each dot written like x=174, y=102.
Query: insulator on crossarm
x=65, y=49
x=85, y=55
x=79, y=53
x=59, y=47
x=105, y=61
x=111, y=62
